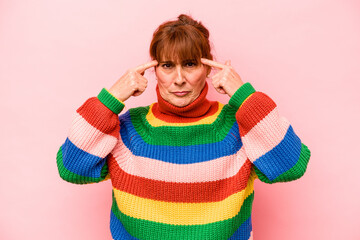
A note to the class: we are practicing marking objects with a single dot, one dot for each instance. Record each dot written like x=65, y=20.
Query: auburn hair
x=181, y=39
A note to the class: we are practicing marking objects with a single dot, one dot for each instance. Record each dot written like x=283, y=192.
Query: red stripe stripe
x=100, y=117
x=175, y=119
x=253, y=110
x=178, y=192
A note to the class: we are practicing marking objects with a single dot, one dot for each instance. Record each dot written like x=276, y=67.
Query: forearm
x=93, y=134
x=268, y=138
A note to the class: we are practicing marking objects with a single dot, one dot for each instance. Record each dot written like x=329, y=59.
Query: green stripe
x=75, y=178
x=110, y=101
x=191, y=135
x=183, y=135
x=241, y=94
x=145, y=229
x=293, y=173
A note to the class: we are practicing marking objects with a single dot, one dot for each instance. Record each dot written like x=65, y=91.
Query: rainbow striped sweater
x=182, y=173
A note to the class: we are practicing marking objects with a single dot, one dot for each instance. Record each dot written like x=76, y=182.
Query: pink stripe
x=265, y=135
x=88, y=138
x=212, y=170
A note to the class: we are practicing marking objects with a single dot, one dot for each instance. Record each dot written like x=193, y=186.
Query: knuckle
x=133, y=77
x=133, y=84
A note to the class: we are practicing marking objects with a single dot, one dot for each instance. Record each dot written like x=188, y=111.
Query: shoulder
x=134, y=113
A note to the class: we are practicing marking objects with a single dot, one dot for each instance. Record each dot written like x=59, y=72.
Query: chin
x=181, y=103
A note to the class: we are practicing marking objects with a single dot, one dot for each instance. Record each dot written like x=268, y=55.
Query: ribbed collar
x=197, y=108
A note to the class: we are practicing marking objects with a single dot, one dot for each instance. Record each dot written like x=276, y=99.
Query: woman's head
x=178, y=46
x=183, y=38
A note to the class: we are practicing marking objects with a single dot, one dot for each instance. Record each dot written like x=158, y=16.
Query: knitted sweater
x=182, y=173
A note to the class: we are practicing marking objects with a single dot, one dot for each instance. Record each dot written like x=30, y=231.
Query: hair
x=181, y=39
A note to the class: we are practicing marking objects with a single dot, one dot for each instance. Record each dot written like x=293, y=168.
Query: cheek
x=159, y=76
x=197, y=77
x=163, y=79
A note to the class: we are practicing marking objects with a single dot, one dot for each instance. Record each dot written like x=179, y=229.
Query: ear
x=208, y=71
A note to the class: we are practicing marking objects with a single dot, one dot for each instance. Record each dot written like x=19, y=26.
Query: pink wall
x=56, y=54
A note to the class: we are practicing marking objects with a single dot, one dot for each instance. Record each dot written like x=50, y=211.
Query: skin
x=227, y=80
x=132, y=83
x=179, y=83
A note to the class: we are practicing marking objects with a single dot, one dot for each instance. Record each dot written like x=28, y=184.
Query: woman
x=183, y=167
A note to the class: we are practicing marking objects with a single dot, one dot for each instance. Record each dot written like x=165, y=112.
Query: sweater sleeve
x=268, y=138
x=93, y=134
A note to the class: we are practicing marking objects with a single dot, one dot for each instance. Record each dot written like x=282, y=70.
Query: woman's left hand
x=226, y=81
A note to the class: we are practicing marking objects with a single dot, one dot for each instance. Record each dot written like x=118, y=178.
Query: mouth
x=181, y=93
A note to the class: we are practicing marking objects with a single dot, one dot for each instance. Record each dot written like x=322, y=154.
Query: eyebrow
x=186, y=60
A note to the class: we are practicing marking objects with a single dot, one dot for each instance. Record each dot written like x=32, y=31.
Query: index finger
x=212, y=63
x=143, y=67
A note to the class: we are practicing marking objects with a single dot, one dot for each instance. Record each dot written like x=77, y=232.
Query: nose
x=180, y=78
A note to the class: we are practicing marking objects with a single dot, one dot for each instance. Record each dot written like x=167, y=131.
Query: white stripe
x=217, y=169
x=90, y=139
x=265, y=135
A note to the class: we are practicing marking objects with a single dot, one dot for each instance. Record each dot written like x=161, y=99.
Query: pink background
x=56, y=54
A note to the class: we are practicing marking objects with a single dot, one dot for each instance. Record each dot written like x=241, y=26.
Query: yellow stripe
x=183, y=213
x=114, y=96
x=155, y=122
x=246, y=99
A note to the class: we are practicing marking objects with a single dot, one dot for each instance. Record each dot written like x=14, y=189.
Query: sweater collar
x=197, y=108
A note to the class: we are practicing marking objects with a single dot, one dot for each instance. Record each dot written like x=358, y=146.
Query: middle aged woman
x=183, y=167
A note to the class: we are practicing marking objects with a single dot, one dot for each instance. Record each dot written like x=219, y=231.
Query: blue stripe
x=282, y=157
x=117, y=229
x=80, y=162
x=243, y=232
x=179, y=154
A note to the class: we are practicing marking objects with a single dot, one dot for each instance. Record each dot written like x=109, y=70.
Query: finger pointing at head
x=141, y=69
x=212, y=63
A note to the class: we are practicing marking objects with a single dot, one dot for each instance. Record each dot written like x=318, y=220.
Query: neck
x=197, y=108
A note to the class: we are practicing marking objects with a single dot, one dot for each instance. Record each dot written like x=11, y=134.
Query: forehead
x=177, y=52
x=176, y=58
x=169, y=58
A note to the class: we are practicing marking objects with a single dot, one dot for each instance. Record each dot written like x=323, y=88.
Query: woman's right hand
x=132, y=83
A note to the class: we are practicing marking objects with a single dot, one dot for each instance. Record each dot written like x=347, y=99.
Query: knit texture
x=182, y=173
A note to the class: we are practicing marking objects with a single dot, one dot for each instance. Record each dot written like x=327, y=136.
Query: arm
x=95, y=129
x=93, y=134
x=268, y=138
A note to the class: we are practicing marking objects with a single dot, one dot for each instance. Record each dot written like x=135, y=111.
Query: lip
x=181, y=93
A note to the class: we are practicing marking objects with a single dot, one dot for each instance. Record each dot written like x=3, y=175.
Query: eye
x=166, y=65
x=190, y=64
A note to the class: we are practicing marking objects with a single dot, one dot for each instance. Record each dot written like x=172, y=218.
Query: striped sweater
x=182, y=173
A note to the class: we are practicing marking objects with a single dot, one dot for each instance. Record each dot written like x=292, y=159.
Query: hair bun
x=187, y=20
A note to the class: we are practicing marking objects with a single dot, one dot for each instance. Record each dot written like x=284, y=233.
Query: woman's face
x=180, y=83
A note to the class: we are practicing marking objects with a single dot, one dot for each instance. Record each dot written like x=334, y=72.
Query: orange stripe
x=178, y=192
x=100, y=117
x=253, y=110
